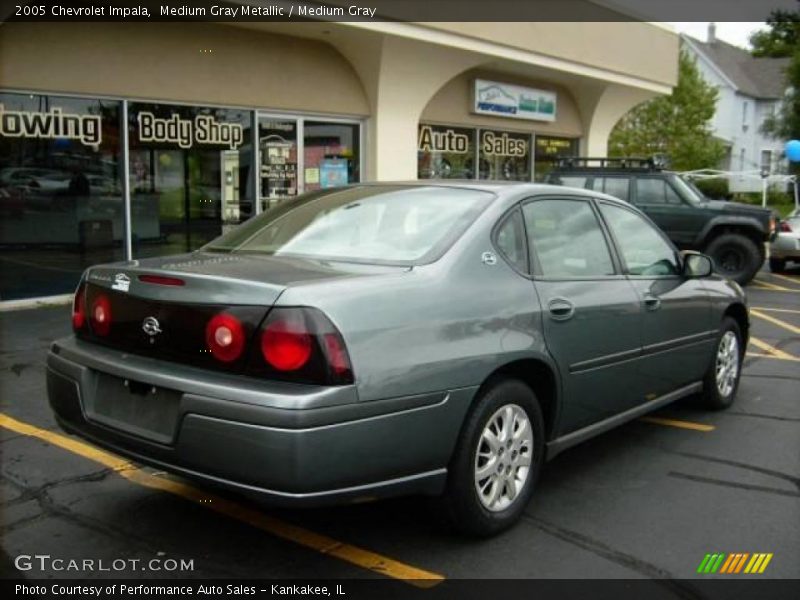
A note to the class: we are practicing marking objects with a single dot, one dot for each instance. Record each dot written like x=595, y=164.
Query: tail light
x=225, y=337
x=100, y=317
x=785, y=227
x=79, y=308
x=286, y=344
x=302, y=345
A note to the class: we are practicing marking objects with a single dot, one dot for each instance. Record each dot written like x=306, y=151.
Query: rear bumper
x=288, y=445
x=785, y=246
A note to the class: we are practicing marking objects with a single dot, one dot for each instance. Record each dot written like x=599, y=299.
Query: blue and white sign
x=506, y=100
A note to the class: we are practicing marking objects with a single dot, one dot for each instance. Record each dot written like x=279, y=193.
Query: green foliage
x=782, y=37
x=718, y=189
x=677, y=125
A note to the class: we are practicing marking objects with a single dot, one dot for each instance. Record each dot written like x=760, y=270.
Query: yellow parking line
x=771, y=350
x=759, y=355
x=771, y=286
x=780, y=310
x=679, y=424
x=775, y=321
x=786, y=278
x=303, y=537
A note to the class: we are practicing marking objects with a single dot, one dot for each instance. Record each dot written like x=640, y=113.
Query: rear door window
x=655, y=191
x=566, y=239
x=510, y=239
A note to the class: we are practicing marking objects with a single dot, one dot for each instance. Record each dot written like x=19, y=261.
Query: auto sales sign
x=506, y=100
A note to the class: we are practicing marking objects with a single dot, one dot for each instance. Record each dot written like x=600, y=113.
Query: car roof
x=503, y=189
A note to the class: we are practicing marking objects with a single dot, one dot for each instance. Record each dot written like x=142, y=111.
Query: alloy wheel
x=727, y=368
x=504, y=457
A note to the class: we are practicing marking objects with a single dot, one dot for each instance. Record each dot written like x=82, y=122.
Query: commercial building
x=750, y=90
x=213, y=123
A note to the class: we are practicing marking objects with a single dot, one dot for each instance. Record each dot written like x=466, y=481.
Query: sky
x=733, y=33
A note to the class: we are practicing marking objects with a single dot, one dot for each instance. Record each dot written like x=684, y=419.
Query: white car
x=786, y=247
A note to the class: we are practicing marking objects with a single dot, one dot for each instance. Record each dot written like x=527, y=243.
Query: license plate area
x=135, y=407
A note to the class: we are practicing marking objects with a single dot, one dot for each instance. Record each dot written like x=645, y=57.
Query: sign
x=204, y=129
x=556, y=146
x=332, y=173
x=495, y=143
x=506, y=100
x=439, y=140
x=54, y=124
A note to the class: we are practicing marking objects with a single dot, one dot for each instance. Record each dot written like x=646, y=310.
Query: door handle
x=652, y=302
x=561, y=309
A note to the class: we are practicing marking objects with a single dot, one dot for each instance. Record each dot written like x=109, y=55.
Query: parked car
x=383, y=339
x=731, y=233
x=786, y=247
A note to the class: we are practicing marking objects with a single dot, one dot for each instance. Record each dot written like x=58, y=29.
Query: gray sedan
x=383, y=339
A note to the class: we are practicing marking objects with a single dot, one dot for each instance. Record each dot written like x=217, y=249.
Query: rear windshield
x=371, y=224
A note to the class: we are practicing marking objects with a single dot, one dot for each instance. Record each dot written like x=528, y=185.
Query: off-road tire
x=735, y=256
x=463, y=506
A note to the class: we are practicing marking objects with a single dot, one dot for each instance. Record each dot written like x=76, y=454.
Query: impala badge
x=121, y=282
x=151, y=326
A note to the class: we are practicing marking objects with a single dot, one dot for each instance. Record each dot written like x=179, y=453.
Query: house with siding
x=750, y=90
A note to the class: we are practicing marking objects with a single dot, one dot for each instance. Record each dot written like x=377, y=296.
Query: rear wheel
x=722, y=378
x=497, y=459
x=777, y=265
x=735, y=256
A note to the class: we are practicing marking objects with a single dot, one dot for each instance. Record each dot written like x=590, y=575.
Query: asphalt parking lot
x=648, y=500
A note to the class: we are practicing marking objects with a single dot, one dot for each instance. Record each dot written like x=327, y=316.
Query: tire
x=777, y=265
x=716, y=395
x=735, y=256
x=485, y=513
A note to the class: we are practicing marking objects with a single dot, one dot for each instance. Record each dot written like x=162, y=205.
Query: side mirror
x=696, y=265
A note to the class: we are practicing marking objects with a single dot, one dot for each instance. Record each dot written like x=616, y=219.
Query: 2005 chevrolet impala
x=389, y=339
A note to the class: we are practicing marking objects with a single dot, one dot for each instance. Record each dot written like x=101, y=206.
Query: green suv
x=731, y=233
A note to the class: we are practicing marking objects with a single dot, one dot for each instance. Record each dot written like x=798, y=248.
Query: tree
x=677, y=125
x=781, y=39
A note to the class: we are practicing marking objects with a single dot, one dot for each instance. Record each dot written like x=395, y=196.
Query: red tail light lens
x=303, y=346
x=337, y=354
x=785, y=227
x=225, y=337
x=100, y=317
x=79, y=309
x=286, y=344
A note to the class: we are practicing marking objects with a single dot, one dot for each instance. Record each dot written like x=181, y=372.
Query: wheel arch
x=750, y=228
x=738, y=312
x=541, y=377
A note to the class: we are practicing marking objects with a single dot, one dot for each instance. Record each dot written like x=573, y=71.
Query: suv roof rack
x=628, y=164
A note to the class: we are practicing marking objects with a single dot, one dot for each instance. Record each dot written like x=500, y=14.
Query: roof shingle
x=761, y=78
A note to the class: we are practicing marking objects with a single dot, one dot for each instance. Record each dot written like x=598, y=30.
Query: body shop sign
x=203, y=129
x=506, y=100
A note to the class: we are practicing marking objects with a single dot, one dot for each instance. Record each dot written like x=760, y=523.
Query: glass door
x=277, y=144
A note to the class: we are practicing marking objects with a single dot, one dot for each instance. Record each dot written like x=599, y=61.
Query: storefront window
x=61, y=206
x=445, y=152
x=277, y=141
x=548, y=149
x=504, y=156
x=190, y=175
x=330, y=154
